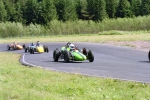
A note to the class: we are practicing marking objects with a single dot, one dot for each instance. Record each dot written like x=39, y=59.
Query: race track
x=110, y=61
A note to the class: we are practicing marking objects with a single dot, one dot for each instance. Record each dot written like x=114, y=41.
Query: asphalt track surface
x=109, y=61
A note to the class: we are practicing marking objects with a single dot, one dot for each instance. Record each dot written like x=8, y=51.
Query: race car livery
x=75, y=54
x=14, y=46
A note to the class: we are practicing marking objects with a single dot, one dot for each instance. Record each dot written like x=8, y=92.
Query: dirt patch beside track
x=138, y=45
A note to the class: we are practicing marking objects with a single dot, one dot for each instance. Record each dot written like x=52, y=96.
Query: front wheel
x=26, y=49
x=15, y=47
x=84, y=51
x=24, y=46
x=31, y=50
x=66, y=56
x=149, y=55
x=90, y=56
x=8, y=47
x=46, y=49
x=56, y=55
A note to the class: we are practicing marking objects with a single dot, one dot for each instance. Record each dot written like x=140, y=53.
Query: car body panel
x=16, y=46
x=75, y=54
x=78, y=56
x=40, y=49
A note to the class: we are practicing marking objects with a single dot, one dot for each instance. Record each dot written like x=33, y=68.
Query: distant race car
x=34, y=48
x=15, y=46
x=149, y=55
x=75, y=55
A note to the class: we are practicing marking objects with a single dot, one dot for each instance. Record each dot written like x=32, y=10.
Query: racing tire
x=8, y=47
x=90, y=56
x=30, y=50
x=15, y=48
x=47, y=50
x=84, y=51
x=24, y=46
x=26, y=49
x=56, y=55
x=149, y=55
x=66, y=56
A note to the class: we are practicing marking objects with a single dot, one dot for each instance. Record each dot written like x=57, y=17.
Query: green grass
x=31, y=83
x=18, y=82
x=101, y=37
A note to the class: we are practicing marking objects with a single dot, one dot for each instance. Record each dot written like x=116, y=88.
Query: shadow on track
x=66, y=63
x=144, y=61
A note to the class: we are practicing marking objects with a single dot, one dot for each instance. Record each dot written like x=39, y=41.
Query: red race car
x=15, y=46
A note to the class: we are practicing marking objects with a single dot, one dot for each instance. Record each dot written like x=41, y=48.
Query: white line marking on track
x=25, y=61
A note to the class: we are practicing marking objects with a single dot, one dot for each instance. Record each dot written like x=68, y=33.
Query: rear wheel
x=15, y=48
x=26, y=49
x=66, y=56
x=84, y=51
x=46, y=49
x=90, y=56
x=149, y=55
x=33, y=50
x=30, y=50
x=56, y=55
x=8, y=47
x=24, y=46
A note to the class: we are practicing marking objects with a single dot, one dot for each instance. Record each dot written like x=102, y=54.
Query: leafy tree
x=97, y=9
x=60, y=8
x=69, y=10
x=10, y=8
x=3, y=12
x=145, y=7
x=78, y=8
x=31, y=11
x=82, y=10
x=91, y=8
x=47, y=12
x=111, y=6
x=18, y=17
x=66, y=10
x=136, y=7
x=123, y=9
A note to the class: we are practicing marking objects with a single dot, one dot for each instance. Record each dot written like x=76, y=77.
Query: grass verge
x=30, y=83
x=100, y=37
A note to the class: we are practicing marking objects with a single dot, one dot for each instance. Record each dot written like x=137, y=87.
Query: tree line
x=44, y=11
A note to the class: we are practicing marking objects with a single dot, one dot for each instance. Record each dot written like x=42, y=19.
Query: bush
x=55, y=27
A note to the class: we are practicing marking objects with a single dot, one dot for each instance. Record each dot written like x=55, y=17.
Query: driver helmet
x=72, y=47
x=38, y=43
x=68, y=44
x=32, y=44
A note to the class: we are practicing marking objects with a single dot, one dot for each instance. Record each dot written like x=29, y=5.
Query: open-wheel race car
x=36, y=48
x=15, y=46
x=149, y=55
x=72, y=53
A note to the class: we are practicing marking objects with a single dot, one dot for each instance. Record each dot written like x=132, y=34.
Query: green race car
x=67, y=53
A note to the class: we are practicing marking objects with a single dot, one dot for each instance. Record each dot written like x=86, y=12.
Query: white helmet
x=72, y=47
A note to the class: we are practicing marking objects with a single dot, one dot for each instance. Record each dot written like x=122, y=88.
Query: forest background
x=53, y=17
